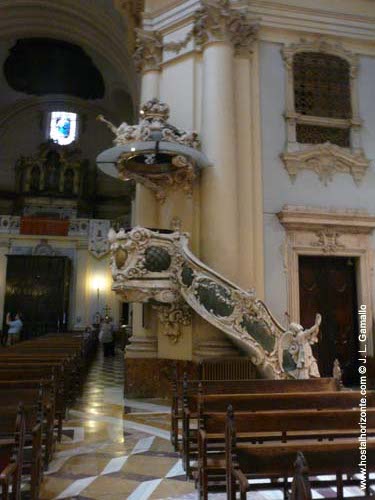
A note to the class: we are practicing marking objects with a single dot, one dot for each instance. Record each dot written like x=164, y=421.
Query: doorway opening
x=328, y=285
x=38, y=288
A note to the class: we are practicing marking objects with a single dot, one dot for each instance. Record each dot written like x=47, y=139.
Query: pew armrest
x=241, y=478
x=8, y=471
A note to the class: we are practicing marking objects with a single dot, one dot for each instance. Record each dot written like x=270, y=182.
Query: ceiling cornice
x=276, y=16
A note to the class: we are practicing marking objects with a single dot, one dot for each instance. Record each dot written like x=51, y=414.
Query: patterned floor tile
x=114, y=449
x=109, y=487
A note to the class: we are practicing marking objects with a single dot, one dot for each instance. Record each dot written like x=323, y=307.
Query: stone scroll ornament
x=148, y=266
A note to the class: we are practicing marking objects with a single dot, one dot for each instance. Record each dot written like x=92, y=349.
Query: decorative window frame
x=324, y=159
x=321, y=232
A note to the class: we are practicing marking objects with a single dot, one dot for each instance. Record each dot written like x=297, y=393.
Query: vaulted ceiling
x=66, y=54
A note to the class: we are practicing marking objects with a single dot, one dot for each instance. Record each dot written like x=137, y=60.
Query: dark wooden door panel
x=328, y=286
x=38, y=287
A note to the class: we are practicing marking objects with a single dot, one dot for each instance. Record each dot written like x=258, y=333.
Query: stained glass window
x=63, y=127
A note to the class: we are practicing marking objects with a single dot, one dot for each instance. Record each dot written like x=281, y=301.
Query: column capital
x=149, y=50
x=217, y=20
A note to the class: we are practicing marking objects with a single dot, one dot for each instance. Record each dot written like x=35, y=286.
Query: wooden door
x=38, y=288
x=328, y=285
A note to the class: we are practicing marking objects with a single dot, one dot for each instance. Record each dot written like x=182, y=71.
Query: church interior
x=187, y=249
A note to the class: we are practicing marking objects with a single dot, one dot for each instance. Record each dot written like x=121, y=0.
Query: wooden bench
x=33, y=395
x=11, y=454
x=32, y=461
x=46, y=375
x=227, y=392
x=271, y=429
x=222, y=377
x=61, y=369
x=275, y=459
x=208, y=369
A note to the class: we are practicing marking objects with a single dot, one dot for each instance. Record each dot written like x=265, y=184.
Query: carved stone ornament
x=149, y=50
x=328, y=241
x=182, y=178
x=98, y=241
x=153, y=122
x=326, y=160
x=217, y=20
x=173, y=318
x=158, y=170
x=149, y=266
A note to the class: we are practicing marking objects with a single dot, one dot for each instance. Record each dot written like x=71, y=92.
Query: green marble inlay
x=288, y=362
x=259, y=331
x=157, y=259
x=215, y=298
x=187, y=275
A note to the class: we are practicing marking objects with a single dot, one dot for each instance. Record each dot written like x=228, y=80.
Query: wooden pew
x=281, y=401
x=275, y=459
x=32, y=395
x=183, y=387
x=63, y=379
x=46, y=375
x=32, y=462
x=228, y=391
x=71, y=366
x=212, y=414
x=11, y=454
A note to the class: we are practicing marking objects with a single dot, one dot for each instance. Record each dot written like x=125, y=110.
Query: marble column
x=249, y=171
x=219, y=211
x=149, y=56
x=224, y=34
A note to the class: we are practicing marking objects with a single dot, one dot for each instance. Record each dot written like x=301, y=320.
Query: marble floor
x=114, y=449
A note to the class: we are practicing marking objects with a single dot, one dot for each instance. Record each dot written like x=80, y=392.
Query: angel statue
x=295, y=352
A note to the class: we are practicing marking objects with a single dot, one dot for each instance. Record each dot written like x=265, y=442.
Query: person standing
x=15, y=326
x=106, y=337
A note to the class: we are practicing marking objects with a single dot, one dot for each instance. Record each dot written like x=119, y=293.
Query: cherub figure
x=126, y=133
x=297, y=342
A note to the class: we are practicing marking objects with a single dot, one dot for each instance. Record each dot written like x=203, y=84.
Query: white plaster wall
x=278, y=189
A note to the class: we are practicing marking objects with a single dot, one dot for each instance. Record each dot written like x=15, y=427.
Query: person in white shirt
x=15, y=326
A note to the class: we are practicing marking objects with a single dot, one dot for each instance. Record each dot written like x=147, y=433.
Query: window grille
x=313, y=134
x=321, y=85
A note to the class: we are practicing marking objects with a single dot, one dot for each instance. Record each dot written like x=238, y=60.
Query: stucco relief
x=173, y=317
x=215, y=20
x=328, y=241
x=149, y=50
x=326, y=160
